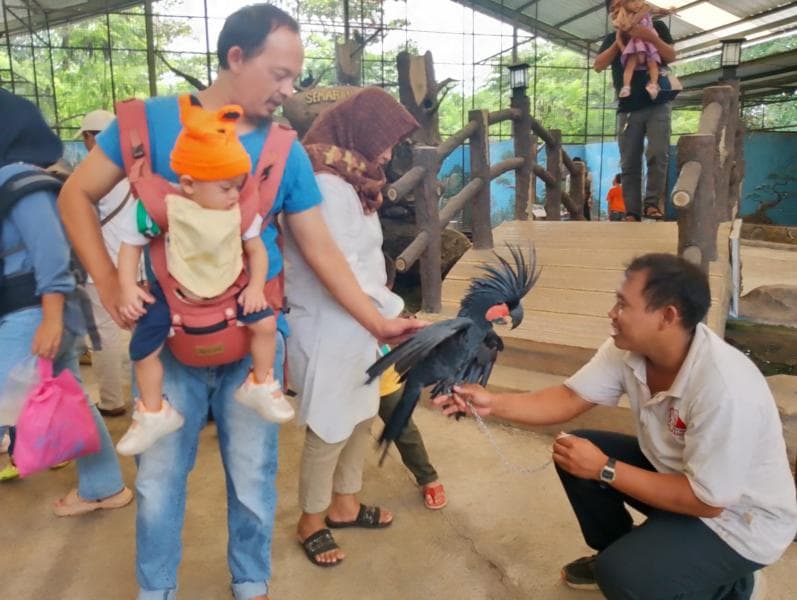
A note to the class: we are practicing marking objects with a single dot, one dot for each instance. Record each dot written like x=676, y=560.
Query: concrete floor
x=503, y=536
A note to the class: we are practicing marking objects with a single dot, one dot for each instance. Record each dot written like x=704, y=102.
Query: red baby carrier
x=204, y=333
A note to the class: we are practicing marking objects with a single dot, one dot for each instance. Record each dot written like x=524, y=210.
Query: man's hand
x=47, y=339
x=472, y=393
x=578, y=456
x=131, y=302
x=395, y=331
x=252, y=299
x=643, y=33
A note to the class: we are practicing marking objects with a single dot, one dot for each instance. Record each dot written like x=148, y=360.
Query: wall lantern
x=731, y=56
x=519, y=78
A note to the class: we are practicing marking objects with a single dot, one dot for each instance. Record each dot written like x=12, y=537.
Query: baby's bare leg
x=149, y=376
x=630, y=67
x=653, y=70
x=263, y=347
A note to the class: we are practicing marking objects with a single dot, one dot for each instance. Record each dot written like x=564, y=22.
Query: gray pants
x=653, y=122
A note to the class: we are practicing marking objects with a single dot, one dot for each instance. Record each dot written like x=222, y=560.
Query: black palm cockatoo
x=462, y=349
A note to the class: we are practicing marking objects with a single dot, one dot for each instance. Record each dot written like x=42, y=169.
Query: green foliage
x=95, y=61
x=85, y=65
x=565, y=94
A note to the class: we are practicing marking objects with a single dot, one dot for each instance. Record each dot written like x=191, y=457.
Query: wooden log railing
x=425, y=248
x=707, y=191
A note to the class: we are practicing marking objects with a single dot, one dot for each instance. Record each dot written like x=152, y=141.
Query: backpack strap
x=17, y=187
x=151, y=189
x=267, y=176
x=22, y=184
x=111, y=215
x=267, y=179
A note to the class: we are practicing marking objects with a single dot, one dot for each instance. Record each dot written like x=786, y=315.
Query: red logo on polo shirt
x=676, y=425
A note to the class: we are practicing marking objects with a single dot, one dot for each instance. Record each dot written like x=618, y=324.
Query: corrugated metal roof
x=580, y=24
x=17, y=16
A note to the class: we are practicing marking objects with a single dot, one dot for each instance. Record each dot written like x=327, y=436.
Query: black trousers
x=669, y=556
x=410, y=443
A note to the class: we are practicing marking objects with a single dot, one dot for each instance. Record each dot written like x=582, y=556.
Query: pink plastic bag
x=55, y=424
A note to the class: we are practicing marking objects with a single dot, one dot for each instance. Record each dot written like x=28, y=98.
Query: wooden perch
x=684, y=190
x=711, y=119
x=481, y=225
x=412, y=253
x=456, y=140
x=457, y=202
x=541, y=132
x=569, y=204
x=498, y=116
x=444, y=87
x=540, y=172
x=348, y=61
x=454, y=205
x=510, y=164
x=697, y=224
x=568, y=162
x=418, y=93
x=427, y=218
x=401, y=187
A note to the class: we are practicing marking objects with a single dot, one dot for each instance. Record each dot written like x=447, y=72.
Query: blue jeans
x=98, y=474
x=248, y=446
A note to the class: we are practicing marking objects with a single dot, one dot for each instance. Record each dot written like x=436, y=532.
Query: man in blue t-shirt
x=260, y=55
x=638, y=117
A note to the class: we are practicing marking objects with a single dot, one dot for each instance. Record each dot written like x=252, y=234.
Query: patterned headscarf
x=347, y=139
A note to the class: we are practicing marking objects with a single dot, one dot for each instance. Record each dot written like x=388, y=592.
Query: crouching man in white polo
x=708, y=468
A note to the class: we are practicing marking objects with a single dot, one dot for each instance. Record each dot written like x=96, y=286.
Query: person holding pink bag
x=39, y=314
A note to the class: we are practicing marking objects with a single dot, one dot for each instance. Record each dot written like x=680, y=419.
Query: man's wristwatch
x=607, y=472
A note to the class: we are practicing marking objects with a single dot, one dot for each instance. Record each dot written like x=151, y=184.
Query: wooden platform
x=582, y=265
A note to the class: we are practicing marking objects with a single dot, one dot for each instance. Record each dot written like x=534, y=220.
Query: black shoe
x=112, y=412
x=580, y=574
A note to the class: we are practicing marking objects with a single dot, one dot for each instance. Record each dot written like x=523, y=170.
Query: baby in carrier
x=204, y=255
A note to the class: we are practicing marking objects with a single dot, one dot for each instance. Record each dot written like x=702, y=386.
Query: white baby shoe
x=266, y=399
x=148, y=427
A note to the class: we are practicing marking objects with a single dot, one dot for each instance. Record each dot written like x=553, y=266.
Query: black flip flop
x=317, y=543
x=367, y=518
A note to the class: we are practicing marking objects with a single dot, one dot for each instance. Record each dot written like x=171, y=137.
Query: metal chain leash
x=511, y=466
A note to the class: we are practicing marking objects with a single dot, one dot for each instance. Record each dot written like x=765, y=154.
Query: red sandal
x=434, y=496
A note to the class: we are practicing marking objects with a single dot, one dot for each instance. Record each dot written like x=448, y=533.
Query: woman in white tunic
x=328, y=351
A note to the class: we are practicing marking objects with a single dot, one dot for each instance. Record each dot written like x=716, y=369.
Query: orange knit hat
x=208, y=148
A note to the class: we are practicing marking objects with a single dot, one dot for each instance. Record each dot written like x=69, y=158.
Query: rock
x=772, y=304
x=769, y=233
x=784, y=388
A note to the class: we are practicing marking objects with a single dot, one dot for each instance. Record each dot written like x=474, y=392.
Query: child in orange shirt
x=616, y=202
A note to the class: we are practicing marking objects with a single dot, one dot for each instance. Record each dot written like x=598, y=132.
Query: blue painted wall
x=770, y=181
x=770, y=178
